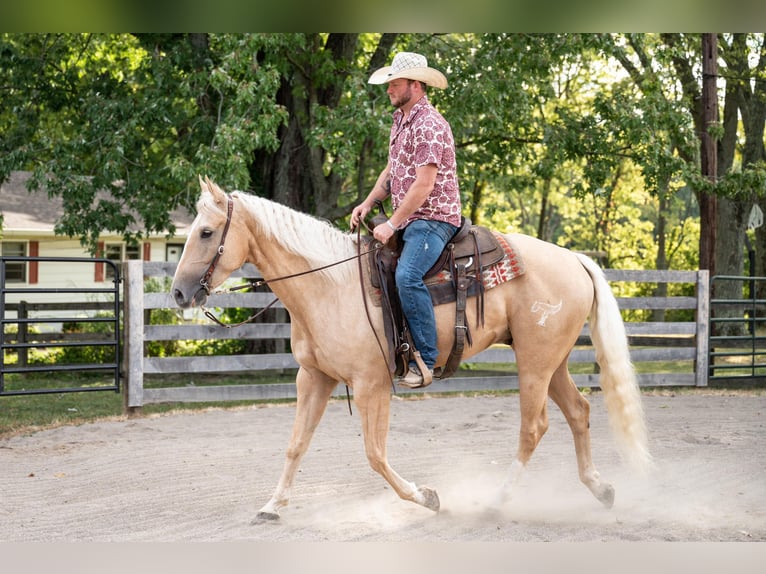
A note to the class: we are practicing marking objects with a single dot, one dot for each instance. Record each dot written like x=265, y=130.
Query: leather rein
x=205, y=280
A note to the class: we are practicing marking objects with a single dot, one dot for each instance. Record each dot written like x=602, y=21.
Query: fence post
x=133, y=397
x=703, y=328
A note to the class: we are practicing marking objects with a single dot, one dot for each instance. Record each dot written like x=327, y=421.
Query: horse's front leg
x=374, y=403
x=313, y=390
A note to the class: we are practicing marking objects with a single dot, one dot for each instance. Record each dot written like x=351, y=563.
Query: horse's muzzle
x=199, y=298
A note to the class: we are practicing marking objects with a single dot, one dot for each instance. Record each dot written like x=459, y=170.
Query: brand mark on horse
x=546, y=309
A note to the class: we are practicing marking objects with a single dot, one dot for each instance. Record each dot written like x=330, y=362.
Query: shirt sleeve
x=428, y=142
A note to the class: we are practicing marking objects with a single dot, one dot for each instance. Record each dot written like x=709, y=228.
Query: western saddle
x=456, y=276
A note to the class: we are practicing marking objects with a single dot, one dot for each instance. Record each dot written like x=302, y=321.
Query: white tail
x=617, y=379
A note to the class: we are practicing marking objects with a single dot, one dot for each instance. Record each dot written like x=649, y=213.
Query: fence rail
x=652, y=342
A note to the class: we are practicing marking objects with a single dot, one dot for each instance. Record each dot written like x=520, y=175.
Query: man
x=421, y=176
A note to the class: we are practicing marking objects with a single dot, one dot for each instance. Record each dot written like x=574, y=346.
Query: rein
x=366, y=306
x=204, y=281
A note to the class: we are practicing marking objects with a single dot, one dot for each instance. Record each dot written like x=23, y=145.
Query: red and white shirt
x=424, y=138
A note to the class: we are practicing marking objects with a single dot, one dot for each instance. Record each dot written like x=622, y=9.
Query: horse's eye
x=206, y=234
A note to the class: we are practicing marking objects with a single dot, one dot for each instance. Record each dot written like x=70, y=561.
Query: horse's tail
x=617, y=378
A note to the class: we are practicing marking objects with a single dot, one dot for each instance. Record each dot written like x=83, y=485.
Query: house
x=28, y=223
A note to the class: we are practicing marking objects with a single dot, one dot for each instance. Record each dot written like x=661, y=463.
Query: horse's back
x=551, y=270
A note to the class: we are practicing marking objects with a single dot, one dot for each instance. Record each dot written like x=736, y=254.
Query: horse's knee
x=295, y=450
x=529, y=437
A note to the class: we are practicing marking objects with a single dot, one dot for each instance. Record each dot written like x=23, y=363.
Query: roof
x=33, y=212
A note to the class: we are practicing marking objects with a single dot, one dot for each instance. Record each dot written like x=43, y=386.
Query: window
x=15, y=272
x=119, y=252
x=173, y=252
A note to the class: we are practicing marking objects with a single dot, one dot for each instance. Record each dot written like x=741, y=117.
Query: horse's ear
x=207, y=186
x=217, y=192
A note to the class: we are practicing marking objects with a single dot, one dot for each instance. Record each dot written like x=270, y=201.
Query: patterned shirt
x=424, y=138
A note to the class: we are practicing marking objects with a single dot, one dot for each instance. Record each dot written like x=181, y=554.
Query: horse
x=540, y=313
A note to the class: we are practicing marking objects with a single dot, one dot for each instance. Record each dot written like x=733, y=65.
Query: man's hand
x=383, y=232
x=358, y=215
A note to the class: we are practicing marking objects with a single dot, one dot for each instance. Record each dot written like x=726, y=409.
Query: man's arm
x=379, y=192
x=418, y=193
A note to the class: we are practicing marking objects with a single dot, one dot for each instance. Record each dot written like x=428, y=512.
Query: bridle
x=205, y=281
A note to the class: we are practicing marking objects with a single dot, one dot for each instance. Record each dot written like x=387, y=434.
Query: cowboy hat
x=412, y=67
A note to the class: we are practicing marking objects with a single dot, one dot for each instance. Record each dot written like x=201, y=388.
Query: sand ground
x=202, y=476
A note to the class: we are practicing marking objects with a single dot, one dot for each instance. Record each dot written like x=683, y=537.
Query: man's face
x=399, y=92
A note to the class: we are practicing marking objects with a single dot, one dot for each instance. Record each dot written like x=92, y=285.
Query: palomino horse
x=333, y=341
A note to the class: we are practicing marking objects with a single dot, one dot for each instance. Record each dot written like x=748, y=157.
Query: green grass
x=28, y=413
x=20, y=413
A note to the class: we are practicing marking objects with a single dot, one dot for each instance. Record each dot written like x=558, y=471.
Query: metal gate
x=54, y=333
x=737, y=349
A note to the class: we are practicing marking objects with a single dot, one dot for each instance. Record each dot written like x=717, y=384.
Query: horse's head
x=212, y=251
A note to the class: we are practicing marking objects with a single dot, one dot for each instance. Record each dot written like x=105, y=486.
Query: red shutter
x=147, y=251
x=99, y=264
x=34, y=251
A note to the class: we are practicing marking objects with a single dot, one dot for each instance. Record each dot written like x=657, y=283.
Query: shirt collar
x=419, y=105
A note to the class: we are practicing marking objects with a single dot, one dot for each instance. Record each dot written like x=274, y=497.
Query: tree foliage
x=587, y=140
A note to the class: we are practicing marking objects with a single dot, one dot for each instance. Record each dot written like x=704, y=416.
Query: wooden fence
x=652, y=343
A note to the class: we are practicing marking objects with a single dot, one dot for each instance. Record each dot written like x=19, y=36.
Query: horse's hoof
x=430, y=498
x=606, y=496
x=262, y=517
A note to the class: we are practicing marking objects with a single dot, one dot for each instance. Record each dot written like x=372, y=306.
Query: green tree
x=552, y=129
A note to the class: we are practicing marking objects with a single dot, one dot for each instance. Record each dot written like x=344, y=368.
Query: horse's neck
x=290, y=249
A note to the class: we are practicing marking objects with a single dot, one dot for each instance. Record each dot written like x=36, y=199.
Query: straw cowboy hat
x=412, y=67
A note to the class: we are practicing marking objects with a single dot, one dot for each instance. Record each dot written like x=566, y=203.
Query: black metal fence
x=737, y=347
x=78, y=326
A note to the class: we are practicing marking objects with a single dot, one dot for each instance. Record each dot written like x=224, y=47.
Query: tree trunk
x=295, y=175
x=543, y=219
x=661, y=262
x=751, y=104
x=708, y=160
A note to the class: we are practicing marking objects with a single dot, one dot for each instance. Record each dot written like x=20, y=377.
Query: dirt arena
x=202, y=476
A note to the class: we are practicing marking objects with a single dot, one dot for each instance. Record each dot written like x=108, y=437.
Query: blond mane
x=317, y=240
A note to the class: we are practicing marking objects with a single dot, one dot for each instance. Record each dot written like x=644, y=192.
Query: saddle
x=456, y=276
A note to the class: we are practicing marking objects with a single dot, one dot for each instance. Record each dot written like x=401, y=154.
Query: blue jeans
x=424, y=241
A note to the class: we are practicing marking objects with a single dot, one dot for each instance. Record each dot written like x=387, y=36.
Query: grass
x=29, y=413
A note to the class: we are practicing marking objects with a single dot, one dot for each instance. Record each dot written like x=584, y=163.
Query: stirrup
x=418, y=377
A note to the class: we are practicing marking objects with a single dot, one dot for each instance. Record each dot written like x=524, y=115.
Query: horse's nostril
x=178, y=296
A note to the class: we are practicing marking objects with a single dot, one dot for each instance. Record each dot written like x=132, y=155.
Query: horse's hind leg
x=533, y=398
x=313, y=391
x=576, y=409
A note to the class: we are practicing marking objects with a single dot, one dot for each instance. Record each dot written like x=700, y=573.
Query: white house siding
x=54, y=275
x=31, y=218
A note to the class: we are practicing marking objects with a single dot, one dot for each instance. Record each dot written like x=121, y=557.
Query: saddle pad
x=510, y=266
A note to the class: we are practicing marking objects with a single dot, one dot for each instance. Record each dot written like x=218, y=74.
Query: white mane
x=317, y=240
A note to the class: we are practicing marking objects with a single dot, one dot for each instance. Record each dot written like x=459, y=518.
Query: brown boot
x=415, y=379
